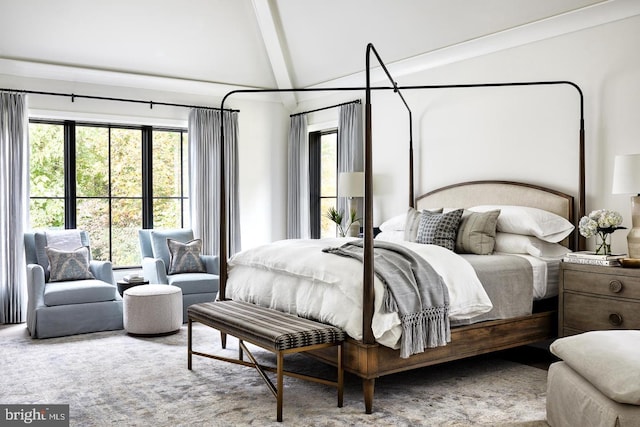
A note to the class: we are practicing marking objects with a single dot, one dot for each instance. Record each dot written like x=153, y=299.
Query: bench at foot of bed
x=272, y=330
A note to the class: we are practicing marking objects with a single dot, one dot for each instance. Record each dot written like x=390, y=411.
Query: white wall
x=519, y=134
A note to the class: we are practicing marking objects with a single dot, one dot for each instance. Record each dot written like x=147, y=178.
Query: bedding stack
x=505, y=232
x=483, y=230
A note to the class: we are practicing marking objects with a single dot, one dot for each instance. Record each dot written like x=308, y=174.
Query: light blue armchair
x=68, y=306
x=196, y=287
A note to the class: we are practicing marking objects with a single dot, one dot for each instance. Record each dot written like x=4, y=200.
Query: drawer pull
x=615, y=319
x=615, y=286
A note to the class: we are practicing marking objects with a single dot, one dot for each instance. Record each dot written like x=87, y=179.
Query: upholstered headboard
x=468, y=194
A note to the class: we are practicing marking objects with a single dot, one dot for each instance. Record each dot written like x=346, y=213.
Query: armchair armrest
x=35, y=294
x=35, y=285
x=102, y=270
x=211, y=263
x=154, y=271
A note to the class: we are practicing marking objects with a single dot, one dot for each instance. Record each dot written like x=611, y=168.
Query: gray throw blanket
x=413, y=289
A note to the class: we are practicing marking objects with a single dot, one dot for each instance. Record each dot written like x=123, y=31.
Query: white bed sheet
x=295, y=276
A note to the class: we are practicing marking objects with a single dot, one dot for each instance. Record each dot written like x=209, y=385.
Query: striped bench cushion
x=262, y=326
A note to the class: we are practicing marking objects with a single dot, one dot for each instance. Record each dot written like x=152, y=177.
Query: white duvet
x=295, y=276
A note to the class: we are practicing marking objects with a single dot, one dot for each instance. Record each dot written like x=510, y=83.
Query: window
x=109, y=180
x=323, y=167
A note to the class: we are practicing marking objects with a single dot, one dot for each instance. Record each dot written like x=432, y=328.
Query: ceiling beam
x=569, y=22
x=275, y=50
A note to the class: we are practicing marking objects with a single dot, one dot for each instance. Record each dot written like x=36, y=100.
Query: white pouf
x=597, y=383
x=152, y=309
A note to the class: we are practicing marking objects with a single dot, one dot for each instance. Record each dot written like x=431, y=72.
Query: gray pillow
x=609, y=360
x=68, y=265
x=185, y=257
x=439, y=229
x=159, y=242
x=412, y=223
x=477, y=232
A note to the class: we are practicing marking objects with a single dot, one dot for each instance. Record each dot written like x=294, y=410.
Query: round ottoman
x=152, y=309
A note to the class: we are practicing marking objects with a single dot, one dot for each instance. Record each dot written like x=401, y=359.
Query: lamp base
x=633, y=238
x=354, y=230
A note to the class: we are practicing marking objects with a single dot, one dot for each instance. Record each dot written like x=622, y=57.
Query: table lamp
x=350, y=185
x=626, y=180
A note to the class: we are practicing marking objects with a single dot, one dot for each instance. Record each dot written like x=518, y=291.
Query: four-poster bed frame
x=365, y=357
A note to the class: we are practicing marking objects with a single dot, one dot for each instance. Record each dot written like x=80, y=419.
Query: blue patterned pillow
x=68, y=265
x=439, y=229
x=185, y=257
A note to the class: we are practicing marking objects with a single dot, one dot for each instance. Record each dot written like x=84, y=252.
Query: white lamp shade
x=351, y=184
x=626, y=174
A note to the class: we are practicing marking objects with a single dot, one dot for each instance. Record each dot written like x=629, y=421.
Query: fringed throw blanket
x=413, y=289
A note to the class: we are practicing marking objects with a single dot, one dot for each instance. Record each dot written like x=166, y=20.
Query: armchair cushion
x=185, y=257
x=195, y=283
x=159, y=242
x=78, y=292
x=68, y=265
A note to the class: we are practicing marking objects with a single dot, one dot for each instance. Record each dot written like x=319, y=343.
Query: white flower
x=588, y=227
x=599, y=221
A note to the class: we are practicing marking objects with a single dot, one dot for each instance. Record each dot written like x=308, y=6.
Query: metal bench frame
x=278, y=389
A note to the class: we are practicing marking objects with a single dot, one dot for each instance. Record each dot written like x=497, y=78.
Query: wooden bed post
x=223, y=214
x=368, y=295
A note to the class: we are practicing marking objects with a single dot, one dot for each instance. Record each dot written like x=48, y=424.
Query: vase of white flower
x=603, y=243
x=601, y=224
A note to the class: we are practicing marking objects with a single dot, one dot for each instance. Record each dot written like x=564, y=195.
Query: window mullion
x=70, y=187
x=147, y=177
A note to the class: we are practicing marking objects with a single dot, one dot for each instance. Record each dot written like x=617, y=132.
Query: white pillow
x=391, y=236
x=529, y=221
x=520, y=244
x=395, y=223
x=610, y=360
x=398, y=222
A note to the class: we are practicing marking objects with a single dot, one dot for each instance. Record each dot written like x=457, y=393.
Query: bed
x=364, y=355
x=294, y=287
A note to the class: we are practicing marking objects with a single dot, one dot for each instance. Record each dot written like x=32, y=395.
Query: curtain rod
x=73, y=96
x=356, y=101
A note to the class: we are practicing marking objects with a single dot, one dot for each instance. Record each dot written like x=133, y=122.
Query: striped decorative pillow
x=477, y=232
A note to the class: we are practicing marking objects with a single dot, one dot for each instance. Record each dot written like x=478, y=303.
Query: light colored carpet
x=111, y=378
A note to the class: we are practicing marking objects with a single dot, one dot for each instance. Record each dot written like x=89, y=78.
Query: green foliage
x=337, y=216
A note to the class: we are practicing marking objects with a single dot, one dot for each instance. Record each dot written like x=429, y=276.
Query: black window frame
x=315, y=196
x=71, y=197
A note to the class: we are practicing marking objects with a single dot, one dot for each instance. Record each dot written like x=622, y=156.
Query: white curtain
x=350, y=149
x=14, y=169
x=204, y=177
x=298, y=215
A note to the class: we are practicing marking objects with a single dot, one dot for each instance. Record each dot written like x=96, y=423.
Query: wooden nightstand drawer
x=602, y=284
x=587, y=313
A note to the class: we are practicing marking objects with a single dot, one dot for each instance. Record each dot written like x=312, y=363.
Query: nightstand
x=593, y=297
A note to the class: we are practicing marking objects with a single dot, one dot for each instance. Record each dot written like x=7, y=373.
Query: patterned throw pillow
x=68, y=265
x=439, y=229
x=185, y=257
x=413, y=222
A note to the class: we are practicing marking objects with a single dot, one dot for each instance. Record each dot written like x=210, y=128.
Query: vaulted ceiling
x=225, y=44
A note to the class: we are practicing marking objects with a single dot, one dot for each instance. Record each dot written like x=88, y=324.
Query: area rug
x=111, y=378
